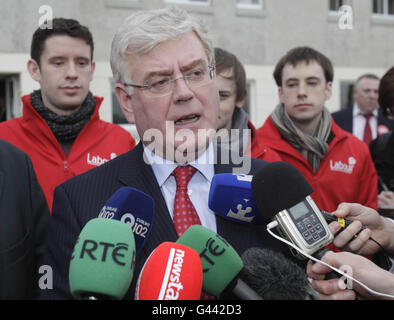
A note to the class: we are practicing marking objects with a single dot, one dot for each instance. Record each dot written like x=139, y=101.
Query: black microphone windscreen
x=274, y=277
x=278, y=186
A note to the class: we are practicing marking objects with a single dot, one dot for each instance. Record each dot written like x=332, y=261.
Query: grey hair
x=144, y=30
x=365, y=76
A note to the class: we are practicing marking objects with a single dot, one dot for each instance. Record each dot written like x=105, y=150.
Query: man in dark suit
x=365, y=120
x=24, y=217
x=163, y=65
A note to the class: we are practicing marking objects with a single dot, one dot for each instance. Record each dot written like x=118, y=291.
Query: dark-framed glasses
x=162, y=85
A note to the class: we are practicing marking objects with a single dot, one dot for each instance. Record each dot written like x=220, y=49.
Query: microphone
x=220, y=263
x=102, y=262
x=274, y=277
x=133, y=207
x=282, y=194
x=172, y=272
x=280, y=186
x=230, y=196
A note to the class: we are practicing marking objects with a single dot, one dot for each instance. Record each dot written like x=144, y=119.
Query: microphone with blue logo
x=133, y=207
x=230, y=197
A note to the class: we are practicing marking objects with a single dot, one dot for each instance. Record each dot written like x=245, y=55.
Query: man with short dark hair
x=364, y=119
x=231, y=82
x=60, y=128
x=336, y=164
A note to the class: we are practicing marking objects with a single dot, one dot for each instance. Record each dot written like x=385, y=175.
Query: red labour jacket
x=346, y=174
x=259, y=151
x=97, y=143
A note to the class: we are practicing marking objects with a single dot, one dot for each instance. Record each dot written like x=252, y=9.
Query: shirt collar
x=357, y=111
x=162, y=168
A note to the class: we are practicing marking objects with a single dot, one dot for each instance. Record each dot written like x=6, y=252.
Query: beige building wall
x=259, y=37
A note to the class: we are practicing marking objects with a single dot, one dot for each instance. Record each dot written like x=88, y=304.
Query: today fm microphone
x=102, y=262
x=230, y=196
x=220, y=263
x=133, y=207
x=172, y=272
x=282, y=194
x=274, y=277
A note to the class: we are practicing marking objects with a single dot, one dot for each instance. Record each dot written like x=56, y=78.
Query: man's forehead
x=303, y=68
x=369, y=83
x=62, y=45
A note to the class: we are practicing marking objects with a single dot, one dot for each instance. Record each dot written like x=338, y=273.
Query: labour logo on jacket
x=343, y=167
x=97, y=160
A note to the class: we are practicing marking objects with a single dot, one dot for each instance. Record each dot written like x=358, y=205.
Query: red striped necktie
x=367, y=129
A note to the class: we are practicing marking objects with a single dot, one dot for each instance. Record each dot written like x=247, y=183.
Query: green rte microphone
x=102, y=262
x=220, y=262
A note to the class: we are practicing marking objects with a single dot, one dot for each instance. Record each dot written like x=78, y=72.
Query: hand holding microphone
x=360, y=268
x=377, y=228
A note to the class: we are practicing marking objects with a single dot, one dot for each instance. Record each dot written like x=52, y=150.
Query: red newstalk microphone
x=172, y=272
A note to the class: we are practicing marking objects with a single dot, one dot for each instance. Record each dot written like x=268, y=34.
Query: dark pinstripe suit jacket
x=81, y=199
x=344, y=119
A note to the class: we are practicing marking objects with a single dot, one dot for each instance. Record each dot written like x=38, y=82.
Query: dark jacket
x=344, y=119
x=382, y=152
x=80, y=199
x=24, y=217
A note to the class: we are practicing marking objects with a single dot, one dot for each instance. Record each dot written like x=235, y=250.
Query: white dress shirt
x=198, y=187
x=359, y=123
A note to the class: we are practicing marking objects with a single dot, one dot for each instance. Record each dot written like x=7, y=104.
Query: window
x=383, y=7
x=250, y=4
x=346, y=94
x=197, y=2
x=336, y=4
x=9, y=106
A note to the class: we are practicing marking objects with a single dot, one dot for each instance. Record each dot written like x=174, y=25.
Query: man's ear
x=93, y=67
x=240, y=103
x=125, y=101
x=328, y=90
x=34, y=69
x=280, y=94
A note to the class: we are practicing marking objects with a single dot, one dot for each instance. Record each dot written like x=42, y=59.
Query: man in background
x=337, y=165
x=60, y=128
x=231, y=82
x=364, y=119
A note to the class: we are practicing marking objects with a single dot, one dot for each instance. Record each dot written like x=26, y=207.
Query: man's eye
x=223, y=96
x=195, y=73
x=57, y=63
x=82, y=63
x=159, y=83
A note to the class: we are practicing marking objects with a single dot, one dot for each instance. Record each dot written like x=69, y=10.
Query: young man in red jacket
x=231, y=82
x=337, y=165
x=60, y=128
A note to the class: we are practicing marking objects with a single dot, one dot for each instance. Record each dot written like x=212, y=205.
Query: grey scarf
x=65, y=128
x=314, y=147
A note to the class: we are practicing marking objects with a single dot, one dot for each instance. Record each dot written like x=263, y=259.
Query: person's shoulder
x=9, y=150
x=105, y=172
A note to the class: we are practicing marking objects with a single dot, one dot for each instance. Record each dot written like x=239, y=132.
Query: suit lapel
x=137, y=174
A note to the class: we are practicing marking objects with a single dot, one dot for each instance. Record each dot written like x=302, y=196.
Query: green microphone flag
x=103, y=259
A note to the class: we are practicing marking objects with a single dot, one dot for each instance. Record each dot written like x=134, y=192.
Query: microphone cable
x=274, y=224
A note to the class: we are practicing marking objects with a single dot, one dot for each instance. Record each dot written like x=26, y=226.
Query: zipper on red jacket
x=65, y=166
